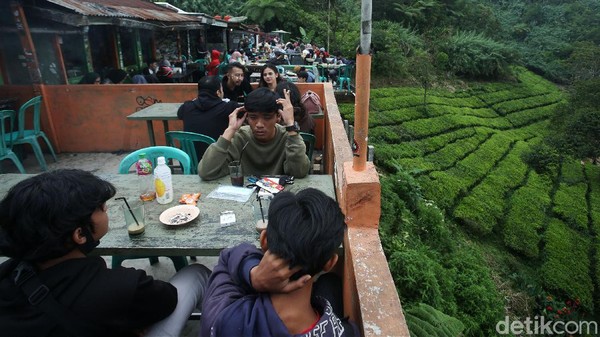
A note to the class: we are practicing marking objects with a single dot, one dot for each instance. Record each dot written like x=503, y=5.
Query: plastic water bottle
x=162, y=182
x=143, y=167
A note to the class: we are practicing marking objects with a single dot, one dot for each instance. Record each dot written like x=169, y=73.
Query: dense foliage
x=457, y=186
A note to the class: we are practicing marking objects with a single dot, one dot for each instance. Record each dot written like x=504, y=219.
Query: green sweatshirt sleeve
x=296, y=161
x=215, y=161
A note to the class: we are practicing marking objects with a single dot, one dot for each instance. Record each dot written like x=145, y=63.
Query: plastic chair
x=280, y=70
x=187, y=143
x=23, y=136
x=322, y=74
x=309, y=141
x=6, y=151
x=152, y=153
x=344, y=76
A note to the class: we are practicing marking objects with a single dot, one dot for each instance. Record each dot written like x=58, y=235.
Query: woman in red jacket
x=212, y=68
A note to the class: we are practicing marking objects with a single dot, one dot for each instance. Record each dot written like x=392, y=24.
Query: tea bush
x=572, y=172
x=529, y=102
x=570, y=205
x=463, y=176
x=484, y=207
x=425, y=321
x=526, y=117
x=447, y=156
x=566, y=266
x=527, y=215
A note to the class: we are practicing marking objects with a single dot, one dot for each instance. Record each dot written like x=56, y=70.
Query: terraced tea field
x=465, y=152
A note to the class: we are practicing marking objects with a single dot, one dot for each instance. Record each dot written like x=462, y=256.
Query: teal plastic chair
x=187, y=141
x=152, y=153
x=322, y=74
x=23, y=136
x=344, y=76
x=6, y=150
x=309, y=141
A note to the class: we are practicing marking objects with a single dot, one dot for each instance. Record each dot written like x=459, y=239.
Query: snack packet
x=189, y=199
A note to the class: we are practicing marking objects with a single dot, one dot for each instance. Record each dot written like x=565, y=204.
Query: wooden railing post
x=370, y=296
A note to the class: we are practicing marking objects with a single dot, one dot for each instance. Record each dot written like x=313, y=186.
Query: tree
x=232, y=7
x=584, y=61
x=577, y=123
x=261, y=11
x=423, y=71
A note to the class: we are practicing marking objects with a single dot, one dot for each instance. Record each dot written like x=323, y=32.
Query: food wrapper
x=189, y=199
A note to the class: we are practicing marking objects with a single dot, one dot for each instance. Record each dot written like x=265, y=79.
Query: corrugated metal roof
x=135, y=9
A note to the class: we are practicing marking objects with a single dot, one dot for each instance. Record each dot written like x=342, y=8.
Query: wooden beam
x=31, y=61
x=59, y=56
x=89, y=62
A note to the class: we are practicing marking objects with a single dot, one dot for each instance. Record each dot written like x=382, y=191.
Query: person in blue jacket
x=271, y=292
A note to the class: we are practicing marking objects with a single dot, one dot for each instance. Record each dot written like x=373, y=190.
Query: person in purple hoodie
x=272, y=292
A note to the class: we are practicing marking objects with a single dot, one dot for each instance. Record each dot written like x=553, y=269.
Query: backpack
x=311, y=102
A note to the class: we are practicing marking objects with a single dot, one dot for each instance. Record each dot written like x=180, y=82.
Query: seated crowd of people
x=50, y=222
x=212, y=63
x=51, y=286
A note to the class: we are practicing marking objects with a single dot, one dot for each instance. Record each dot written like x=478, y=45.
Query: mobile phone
x=241, y=113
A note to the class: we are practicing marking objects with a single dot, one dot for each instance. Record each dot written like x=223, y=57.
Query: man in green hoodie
x=263, y=146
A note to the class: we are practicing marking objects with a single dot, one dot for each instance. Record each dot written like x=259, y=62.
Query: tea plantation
x=468, y=227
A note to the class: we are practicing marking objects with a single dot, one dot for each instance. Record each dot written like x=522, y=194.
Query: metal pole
x=363, y=90
x=328, y=23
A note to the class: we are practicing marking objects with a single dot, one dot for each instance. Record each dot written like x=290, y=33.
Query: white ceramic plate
x=179, y=215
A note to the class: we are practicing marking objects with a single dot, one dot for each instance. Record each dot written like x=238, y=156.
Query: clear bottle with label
x=162, y=182
x=143, y=168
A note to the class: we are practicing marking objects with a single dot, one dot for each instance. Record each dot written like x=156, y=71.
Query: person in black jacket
x=48, y=225
x=208, y=113
x=235, y=84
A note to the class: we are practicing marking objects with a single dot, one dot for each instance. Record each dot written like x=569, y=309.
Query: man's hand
x=273, y=274
x=287, y=114
x=235, y=123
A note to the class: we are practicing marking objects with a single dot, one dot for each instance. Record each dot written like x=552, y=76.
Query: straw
x=130, y=211
x=262, y=213
x=242, y=151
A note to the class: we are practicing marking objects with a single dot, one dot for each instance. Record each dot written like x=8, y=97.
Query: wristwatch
x=293, y=127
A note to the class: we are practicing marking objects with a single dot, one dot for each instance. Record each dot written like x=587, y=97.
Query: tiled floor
x=100, y=163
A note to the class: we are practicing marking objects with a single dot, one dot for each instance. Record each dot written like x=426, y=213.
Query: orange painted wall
x=92, y=118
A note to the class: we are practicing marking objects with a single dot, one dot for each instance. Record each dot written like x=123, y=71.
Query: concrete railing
x=92, y=118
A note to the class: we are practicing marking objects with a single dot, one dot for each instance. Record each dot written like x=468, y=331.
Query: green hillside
x=534, y=231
